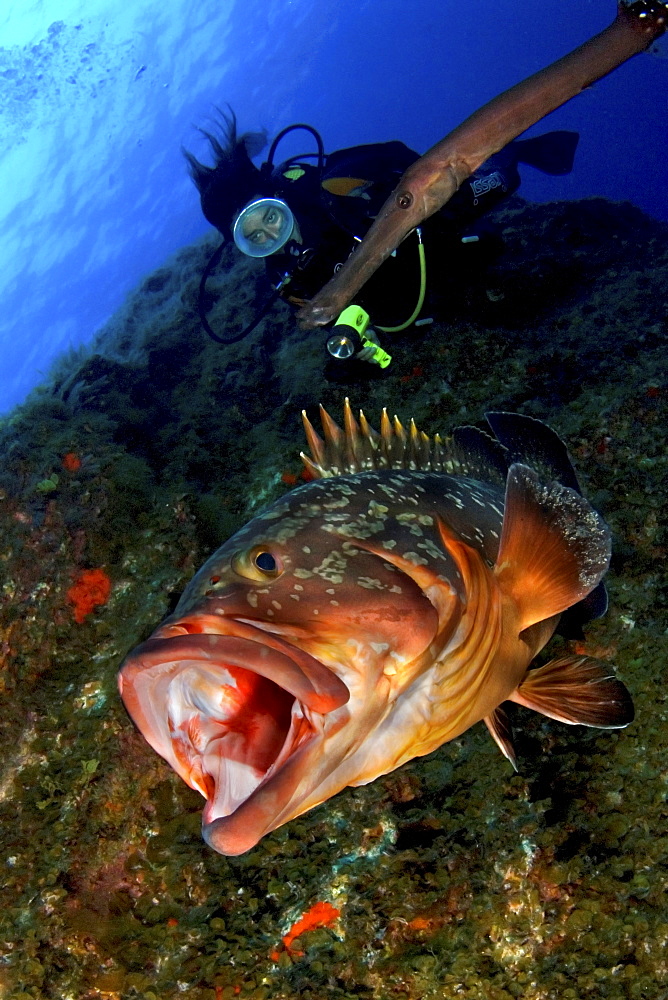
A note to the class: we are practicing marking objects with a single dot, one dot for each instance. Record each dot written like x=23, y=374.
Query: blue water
x=97, y=98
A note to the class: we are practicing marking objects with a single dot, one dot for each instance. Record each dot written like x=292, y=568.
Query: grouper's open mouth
x=233, y=709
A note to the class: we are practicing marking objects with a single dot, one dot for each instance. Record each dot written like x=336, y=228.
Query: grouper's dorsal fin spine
x=357, y=447
x=470, y=451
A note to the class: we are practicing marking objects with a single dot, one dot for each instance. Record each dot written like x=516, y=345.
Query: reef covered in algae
x=451, y=877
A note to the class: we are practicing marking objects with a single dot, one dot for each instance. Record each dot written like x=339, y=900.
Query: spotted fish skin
x=367, y=618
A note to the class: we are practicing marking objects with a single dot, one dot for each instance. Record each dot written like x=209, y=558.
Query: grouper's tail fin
x=553, y=153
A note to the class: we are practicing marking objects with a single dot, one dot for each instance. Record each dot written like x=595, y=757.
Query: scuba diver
x=305, y=218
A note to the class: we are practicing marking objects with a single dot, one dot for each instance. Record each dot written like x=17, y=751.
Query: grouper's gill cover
x=372, y=615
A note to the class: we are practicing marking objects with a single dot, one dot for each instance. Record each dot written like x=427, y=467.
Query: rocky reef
x=451, y=877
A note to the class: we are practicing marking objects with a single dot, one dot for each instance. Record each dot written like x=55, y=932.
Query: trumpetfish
x=433, y=179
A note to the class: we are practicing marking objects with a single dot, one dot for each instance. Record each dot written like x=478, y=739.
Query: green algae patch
x=452, y=877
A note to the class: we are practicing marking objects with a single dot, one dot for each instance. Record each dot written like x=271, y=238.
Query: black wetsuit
x=331, y=223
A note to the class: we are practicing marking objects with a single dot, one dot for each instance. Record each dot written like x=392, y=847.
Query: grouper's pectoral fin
x=578, y=690
x=554, y=547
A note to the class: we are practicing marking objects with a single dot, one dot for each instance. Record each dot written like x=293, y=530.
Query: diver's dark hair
x=234, y=179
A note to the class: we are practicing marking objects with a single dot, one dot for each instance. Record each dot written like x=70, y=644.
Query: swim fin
x=553, y=153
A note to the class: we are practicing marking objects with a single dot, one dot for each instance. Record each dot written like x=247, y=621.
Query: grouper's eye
x=258, y=563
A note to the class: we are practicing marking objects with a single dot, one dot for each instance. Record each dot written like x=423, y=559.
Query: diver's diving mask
x=264, y=226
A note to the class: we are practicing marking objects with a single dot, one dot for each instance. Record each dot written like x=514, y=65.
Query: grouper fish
x=433, y=179
x=373, y=614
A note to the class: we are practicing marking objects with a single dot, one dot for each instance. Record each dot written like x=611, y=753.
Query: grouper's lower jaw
x=233, y=715
x=276, y=800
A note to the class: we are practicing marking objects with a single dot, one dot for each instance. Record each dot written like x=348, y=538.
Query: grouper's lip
x=271, y=804
x=246, y=760
x=270, y=656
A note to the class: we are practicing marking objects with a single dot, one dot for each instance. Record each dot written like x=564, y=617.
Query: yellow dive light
x=353, y=337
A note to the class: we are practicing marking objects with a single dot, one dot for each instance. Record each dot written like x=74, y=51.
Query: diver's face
x=263, y=225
